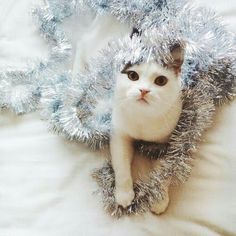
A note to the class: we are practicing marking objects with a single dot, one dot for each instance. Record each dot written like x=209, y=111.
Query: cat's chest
x=143, y=128
x=147, y=129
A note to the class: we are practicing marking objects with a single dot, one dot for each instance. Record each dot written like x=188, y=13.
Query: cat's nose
x=144, y=92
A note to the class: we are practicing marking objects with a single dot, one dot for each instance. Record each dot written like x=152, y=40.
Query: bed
x=45, y=184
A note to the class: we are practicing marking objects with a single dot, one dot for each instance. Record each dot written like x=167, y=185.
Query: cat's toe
x=124, y=198
x=161, y=206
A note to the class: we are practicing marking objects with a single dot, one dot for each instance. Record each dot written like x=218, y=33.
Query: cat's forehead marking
x=150, y=69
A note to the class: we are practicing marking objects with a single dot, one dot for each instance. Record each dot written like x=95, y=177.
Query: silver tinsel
x=20, y=90
x=80, y=109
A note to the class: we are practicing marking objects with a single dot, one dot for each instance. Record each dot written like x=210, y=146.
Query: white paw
x=161, y=206
x=124, y=197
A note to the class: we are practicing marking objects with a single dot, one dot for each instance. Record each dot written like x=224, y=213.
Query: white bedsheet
x=45, y=183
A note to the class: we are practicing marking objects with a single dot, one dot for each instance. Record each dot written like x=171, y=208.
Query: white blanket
x=45, y=183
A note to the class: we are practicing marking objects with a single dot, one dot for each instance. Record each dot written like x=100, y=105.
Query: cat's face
x=148, y=87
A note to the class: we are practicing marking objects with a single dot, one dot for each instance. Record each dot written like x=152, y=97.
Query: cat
x=147, y=106
x=138, y=113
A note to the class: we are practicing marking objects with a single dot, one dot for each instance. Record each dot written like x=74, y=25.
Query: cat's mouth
x=142, y=100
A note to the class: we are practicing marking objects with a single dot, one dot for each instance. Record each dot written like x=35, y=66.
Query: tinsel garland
x=20, y=89
x=80, y=108
x=135, y=12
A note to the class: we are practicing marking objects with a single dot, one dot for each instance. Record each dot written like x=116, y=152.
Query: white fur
x=153, y=120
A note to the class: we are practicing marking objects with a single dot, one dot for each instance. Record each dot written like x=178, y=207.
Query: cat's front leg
x=122, y=155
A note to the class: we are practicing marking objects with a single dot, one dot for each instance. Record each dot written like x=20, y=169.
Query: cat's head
x=150, y=86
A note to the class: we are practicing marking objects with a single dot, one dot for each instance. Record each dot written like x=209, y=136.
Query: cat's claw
x=124, y=198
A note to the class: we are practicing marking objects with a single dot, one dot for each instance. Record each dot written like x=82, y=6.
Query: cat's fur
x=146, y=111
x=132, y=119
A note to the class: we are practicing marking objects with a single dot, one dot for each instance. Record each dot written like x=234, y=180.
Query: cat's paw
x=161, y=206
x=124, y=197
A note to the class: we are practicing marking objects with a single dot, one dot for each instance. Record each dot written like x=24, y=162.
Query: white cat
x=147, y=106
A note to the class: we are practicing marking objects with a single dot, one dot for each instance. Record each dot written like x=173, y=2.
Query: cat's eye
x=132, y=75
x=161, y=81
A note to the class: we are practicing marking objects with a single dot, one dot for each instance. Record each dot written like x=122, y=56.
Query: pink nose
x=144, y=92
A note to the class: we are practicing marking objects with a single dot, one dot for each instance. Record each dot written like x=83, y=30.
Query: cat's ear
x=177, y=57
